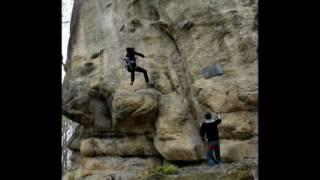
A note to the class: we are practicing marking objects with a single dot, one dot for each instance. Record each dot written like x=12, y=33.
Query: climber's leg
x=132, y=77
x=139, y=69
x=132, y=70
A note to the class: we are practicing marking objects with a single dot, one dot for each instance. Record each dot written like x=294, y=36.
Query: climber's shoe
x=211, y=163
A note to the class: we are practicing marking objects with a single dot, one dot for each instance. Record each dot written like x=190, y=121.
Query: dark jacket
x=210, y=128
x=131, y=56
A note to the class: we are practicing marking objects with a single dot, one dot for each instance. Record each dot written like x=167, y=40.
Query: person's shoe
x=211, y=163
x=131, y=83
x=218, y=161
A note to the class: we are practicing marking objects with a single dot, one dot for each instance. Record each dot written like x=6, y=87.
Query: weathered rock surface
x=135, y=112
x=236, y=150
x=238, y=125
x=177, y=136
x=127, y=146
x=229, y=95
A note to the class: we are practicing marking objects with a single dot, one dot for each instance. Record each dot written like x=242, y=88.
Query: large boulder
x=238, y=125
x=92, y=112
x=177, y=136
x=135, y=112
x=237, y=150
x=227, y=95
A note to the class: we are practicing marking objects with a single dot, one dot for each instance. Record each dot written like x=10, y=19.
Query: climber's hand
x=219, y=115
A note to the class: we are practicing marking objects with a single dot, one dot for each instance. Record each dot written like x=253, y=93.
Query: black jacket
x=131, y=55
x=210, y=128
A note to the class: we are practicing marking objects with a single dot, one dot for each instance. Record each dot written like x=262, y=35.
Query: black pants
x=134, y=68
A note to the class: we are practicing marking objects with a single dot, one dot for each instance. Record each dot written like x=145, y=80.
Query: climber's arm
x=139, y=54
x=219, y=119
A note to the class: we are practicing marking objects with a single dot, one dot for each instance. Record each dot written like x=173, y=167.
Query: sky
x=66, y=17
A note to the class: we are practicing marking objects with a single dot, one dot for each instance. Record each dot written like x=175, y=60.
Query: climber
x=210, y=128
x=130, y=60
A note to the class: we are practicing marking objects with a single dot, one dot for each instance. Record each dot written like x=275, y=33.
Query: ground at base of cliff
x=243, y=170
x=133, y=168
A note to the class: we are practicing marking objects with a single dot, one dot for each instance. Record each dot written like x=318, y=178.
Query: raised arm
x=218, y=121
x=139, y=54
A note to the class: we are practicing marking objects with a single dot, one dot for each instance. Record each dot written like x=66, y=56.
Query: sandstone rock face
x=135, y=112
x=99, y=168
x=235, y=150
x=239, y=125
x=128, y=146
x=179, y=39
x=177, y=136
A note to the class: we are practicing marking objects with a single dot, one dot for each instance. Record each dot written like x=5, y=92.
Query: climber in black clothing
x=130, y=60
x=210, y=128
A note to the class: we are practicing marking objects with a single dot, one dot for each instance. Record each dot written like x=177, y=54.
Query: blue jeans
x=213, y=146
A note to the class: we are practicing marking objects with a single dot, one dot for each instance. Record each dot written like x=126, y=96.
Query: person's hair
x=130, y=49
x=207, y=115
